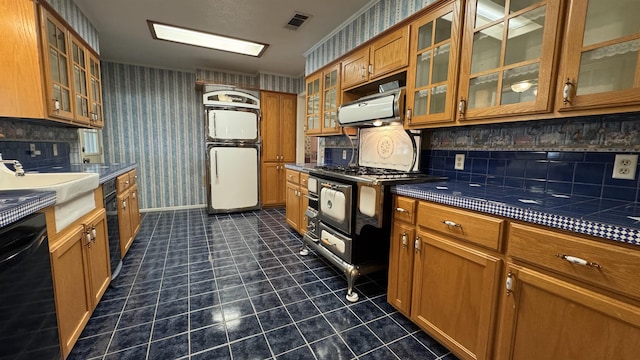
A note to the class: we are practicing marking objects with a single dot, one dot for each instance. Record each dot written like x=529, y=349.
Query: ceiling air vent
x=296, y=21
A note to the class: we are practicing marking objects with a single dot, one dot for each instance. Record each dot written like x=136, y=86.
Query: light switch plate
x=459, y=164
x=624, y=166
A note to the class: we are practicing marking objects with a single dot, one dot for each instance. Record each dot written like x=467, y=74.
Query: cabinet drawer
x=133, y=177
x=479, y=229
x=293, y=176
x=122, y=182
x=545, y=248
x=405, y=209
x=304, y=179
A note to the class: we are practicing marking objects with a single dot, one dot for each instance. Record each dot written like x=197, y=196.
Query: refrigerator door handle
x=215, y=159
x=215, y=129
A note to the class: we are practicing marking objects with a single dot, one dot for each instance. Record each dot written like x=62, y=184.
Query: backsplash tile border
x=613, y=133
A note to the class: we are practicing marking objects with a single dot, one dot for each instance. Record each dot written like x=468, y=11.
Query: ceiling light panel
x=207, y=40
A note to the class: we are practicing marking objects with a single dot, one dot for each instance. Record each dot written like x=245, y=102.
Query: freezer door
x=232, y=125
x=233, y=179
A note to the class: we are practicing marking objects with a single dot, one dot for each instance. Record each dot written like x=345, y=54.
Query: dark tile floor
x=198, y=286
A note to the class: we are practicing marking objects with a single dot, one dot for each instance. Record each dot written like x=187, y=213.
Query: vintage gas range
x=350, y=207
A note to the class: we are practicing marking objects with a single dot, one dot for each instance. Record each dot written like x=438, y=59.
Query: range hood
x=373, y=110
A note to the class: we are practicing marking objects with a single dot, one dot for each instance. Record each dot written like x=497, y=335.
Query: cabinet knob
x=462, y=106
x=567, y=92
x=509, y=283
x=416, y=244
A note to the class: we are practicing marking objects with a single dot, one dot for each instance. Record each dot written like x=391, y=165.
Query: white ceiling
x=125, y=37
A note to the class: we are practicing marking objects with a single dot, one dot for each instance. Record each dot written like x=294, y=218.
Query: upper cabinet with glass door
x=313, y=97
x=600, y=65
x=331, y=95
x=433, y=66
x=507, y=67
x=56, y=60
x=79, y=70
x=95, y=91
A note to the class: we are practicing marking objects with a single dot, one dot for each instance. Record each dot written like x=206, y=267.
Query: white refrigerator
x=233, y=151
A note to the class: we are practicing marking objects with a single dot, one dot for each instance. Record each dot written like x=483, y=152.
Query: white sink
x=74, y=191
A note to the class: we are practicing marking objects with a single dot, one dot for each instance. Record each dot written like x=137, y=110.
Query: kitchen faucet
x=17, y=166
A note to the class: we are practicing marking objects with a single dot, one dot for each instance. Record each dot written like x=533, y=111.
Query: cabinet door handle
x=133, y=195
x=88, y=237
x=56, y=105
x=370, y=68
x=94, y=233
x=416, y=244
x=124, y=204
x=363, y=72
x=509, y=283
x=401, y=210
x=404, y=239
x=408, y=115
x=451, y=223
x=579, y=261
x=566, y=92
x=461, y=106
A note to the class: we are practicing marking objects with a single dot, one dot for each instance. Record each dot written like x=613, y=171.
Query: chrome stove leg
x=352, y=273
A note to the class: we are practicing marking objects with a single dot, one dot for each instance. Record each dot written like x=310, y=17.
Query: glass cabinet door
x=600, y=65
x=57, y=68
x=508, y=69
x=95, y=91
x=312, y=123
x=331, y=100
x=433, y=63
x=79, y=70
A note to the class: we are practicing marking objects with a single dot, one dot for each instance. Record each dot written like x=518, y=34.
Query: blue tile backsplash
x=562, y=172
x=19, y=150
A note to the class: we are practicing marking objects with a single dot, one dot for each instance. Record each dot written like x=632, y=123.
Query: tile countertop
x=16, y=204
x=300, y=167
x=610, y=219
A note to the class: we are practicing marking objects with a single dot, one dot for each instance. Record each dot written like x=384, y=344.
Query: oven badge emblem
x=385, y=147
x=329, y=204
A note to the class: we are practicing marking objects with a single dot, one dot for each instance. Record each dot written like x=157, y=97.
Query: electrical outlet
x=459, y=165
x=344, y=154
x=624, y=166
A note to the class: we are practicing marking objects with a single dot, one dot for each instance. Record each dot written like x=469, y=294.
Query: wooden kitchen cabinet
x=385, y=55
x=433, y=66
x=403, y=235
x=314, y=105
x=21, y=78
x=278, y=129
x=324, y=96
x=81, y=275
x=296, y=202
x=508, y=60
x=434, y=274
x=128, y=209
x=556, y=309
x=51, y=79
x=599, y=63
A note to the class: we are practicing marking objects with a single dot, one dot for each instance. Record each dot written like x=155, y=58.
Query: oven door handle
x=334, y=186
x=314, y=198
x=327, y=242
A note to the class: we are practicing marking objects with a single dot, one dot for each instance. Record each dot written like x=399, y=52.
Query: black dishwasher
x=29, y=327
x=113, y=227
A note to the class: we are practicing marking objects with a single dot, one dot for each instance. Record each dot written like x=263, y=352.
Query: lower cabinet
x=559, y=296
x=545, y=317
x=128, y=210
x=81, y=274
x=447, y=286
x=296, y=200
x=568, y=297
x=272, y=184
x=455, y=294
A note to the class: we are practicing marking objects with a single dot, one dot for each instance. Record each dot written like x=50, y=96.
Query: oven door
x=335, y=206
x=335, y=242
